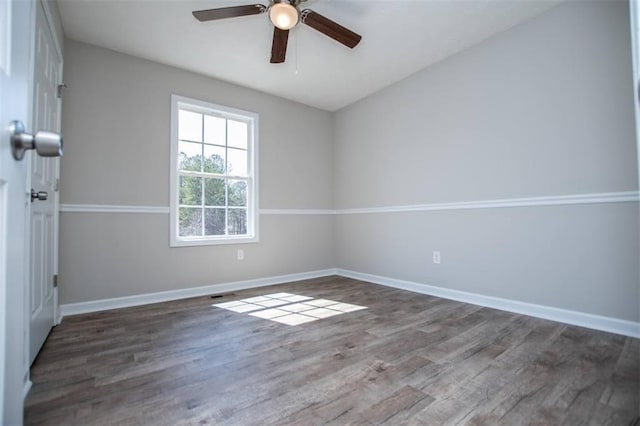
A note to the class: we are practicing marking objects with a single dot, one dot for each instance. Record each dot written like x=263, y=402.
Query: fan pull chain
x=296, y=36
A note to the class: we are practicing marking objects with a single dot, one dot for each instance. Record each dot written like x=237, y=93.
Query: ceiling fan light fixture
x=283, y=15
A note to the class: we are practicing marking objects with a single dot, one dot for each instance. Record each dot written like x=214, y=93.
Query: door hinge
x=55, y=280
x=61, y=87
x=56, y=187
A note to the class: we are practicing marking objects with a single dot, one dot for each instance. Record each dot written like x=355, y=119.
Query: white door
x=44, y=176
x=15, y=53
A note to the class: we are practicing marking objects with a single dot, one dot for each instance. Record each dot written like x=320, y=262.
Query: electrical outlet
x=436, y=257
x=240, y=254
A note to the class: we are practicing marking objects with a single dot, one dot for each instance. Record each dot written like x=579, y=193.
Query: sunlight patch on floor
x=290, y=309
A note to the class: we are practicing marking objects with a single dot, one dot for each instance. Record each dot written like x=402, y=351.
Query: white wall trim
x=596, y=322
x=106, y=208
x=297, y=211
x=165, y=296
x=553, y=200
x=27, y=387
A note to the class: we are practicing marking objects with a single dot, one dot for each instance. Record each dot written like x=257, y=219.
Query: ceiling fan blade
x=229, y=12
x=279, y=46
x=329, y=28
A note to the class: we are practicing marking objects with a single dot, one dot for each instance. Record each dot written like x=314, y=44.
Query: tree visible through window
x=213, y=173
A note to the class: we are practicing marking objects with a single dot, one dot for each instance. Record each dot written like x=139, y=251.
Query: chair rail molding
x=552, y=200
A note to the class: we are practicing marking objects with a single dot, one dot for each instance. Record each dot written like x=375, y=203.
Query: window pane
x=237, y=193
x=214, y=192
x=214, y=222
x=214, y=159
x=190, y=191
x=237, y=162
x=190, y=222
x=190, y=156
x=214, y=130
x=190, y=126
x=237, y=222
x=237, y=134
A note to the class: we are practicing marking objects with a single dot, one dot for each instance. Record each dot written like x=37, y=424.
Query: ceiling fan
x=284, y=14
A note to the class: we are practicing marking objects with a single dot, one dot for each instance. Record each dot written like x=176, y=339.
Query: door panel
x=16, y=19
x=44, y=174
x=36, y=257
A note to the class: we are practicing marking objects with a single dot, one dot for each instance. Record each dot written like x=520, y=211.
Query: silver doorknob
x=46, y=144
x=38, y=195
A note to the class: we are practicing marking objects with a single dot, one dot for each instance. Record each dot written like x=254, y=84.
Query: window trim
x=196, y=105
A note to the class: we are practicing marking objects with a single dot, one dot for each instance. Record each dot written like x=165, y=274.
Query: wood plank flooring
x=407, y=359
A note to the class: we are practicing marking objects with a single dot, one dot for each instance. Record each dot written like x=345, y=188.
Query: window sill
x=195, y=242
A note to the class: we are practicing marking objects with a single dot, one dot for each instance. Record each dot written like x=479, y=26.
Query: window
x=213, y=174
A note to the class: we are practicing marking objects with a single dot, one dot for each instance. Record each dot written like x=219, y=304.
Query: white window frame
x=251, y=118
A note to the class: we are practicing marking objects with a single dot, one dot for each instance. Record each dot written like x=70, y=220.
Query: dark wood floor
x=407, y=359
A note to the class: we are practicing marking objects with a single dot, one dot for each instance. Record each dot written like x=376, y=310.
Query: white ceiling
x=399, y=37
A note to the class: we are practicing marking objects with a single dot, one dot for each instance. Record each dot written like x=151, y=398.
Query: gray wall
x=116, y=124
x=543, y=109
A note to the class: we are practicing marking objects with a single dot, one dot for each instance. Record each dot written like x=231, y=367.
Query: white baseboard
x=165, y=296
x=596, y=322
x=57, y=314
x=27, y=388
